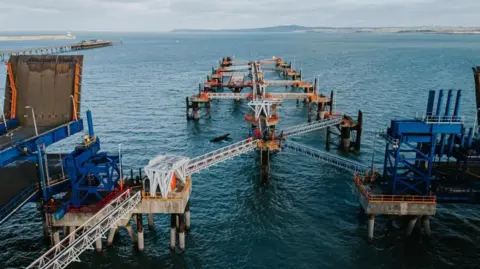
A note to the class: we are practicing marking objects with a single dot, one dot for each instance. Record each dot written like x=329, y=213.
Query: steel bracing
x=310, y=127
x=326, y=157
x=64, y=253
x=220, y=155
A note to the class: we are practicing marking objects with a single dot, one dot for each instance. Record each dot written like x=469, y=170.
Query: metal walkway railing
x=220, y=155
x=65, y=252
x=216, y=95
x=326, y=157
x=310, y=127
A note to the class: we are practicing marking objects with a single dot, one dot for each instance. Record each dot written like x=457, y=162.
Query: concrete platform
x=174, y=204
x=399, y=205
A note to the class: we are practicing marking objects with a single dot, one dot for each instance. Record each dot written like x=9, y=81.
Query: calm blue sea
x=307, y=217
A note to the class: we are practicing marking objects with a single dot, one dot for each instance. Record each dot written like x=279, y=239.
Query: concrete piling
x=98, y=244
x=129, y=229
x=173, y=231
x=187, y=217
x=411, y=225
x=426, y=226
x=140, y=232
x=150, y=221
x=321, y=111
x=56, y=236
x=71, y=231
x=345, y=136
x=111, y=236
x=181, y=232
x=371, y=226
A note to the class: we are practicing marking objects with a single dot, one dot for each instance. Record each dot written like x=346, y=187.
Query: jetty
x=86, y=44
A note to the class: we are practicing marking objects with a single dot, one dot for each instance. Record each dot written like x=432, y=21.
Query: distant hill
x=299, y=28
x=272, y=29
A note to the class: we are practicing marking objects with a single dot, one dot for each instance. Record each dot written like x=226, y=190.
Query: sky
x=165, y=15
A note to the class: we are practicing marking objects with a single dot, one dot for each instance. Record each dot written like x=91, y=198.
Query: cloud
x=163, y=15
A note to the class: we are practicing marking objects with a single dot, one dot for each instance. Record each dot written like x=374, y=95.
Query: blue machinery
x=413, y=144
x=89, y=171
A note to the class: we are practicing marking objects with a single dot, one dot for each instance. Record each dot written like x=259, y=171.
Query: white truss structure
x=310, y=127
x=221, y=95
x=281, y=82
x=161, y=170
x=220, y=155
x=264, y=105
x=64, y=253
x=329, y=158
x=291, y=95
x=235, y=68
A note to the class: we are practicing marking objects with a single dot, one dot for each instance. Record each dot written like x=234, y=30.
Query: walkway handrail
x=63, y=253
x=329, y=158
x=310, y=127
x=220, y=155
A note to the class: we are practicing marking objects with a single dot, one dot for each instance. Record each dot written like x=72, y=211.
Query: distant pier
x=91, y=44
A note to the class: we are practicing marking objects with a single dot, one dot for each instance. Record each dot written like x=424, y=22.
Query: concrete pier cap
x=163, y=171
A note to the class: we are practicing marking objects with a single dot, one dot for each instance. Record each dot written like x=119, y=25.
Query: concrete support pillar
x=265, y=166
x=321, y=111
x=181, y=232
x=309, y=112
x=371, y=226
x=196, y=111
x=140, y=232
x=129, y=229
x=411, y=225
x=71, y=231
x=173, y=231
x=98, y=244
x=426, y=226
x=187, y=217
x=150, y=221
x=207, y=106
x=345, y=136
x=327, y=140
x=56, y=236
x=111, y=236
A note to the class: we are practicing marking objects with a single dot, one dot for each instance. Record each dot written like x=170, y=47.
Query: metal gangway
x=282, y=82
x=328, y=158
x=64, y=253
x=310, y=127
x=218, y=95
x=290, y=95
x=220, y=155
x=235, y=68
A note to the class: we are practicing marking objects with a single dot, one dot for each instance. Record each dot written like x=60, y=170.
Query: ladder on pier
x=328, y=158
x=220, y=155
x=310, y=127
x=64, y=253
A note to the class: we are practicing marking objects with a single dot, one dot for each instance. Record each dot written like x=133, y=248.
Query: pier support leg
x=207, y=106
x=98, y=244
x=181, y=233
x=309, y=112
x=411, y=225
x=71, y=231
x=177, y=221
x=345, y=136
x=150, y=221
x=196, y=111
x=140, y=232
x=426, y=226
x=111, y=236
x=371, y=226
x=129, y=229
x=327, y=140
x=173, y=231
x=187, y=217
x=265, y=166
x=321, y=111
x=56, y=236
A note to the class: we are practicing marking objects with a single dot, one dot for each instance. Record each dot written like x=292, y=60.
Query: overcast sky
x=164, y=15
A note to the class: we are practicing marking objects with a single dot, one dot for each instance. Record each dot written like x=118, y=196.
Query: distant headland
x=305, y=29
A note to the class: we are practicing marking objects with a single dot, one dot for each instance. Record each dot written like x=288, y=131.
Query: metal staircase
x=331, y=159
x=62, y=254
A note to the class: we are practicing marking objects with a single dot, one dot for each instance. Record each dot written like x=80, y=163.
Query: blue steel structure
x=90, y=172
x=413, y=143
x=10, y=124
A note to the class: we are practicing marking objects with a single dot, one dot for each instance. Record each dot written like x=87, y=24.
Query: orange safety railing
x=76, y=91
x=158, y=195
x=379, y=198
x=11, y=81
